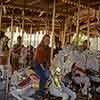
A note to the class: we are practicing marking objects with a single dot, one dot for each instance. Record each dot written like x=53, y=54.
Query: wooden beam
x=34, y=9
x=85, y=25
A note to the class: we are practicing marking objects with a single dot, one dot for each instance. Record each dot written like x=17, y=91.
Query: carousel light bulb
x=44, y=32
x=17, y=30
x=21, y=31
x=8, y=30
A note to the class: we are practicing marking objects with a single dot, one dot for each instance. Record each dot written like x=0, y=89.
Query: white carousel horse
x=21, y=93
x=58, y=89
x=64, y=67
x=20, y=84
x=84, y=60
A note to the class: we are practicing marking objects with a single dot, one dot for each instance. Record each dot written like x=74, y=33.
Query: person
x=58, y=48
x=42, y=63
x=16, y=53
x=5, y=45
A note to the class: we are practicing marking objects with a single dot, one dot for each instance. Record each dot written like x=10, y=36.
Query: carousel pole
x=30, y=43
x=46, y=26
x=12, y=23
x=96, y=42
x=9, y=71
x=77, y=26
x=64, y=33
x=22, y=25
x=1, y=14
x=99, y=15
x=88, y=27
x=23, y=19
x=30, y=34
x=98, y=21
x=53, y=27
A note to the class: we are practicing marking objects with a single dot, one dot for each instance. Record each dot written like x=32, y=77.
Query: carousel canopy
x=38, y=14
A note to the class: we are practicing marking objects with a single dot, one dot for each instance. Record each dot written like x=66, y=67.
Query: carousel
x=74, y=68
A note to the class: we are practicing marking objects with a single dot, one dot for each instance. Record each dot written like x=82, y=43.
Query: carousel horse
x=63, y=61
x=59, y=63
x=72, y=56
x=58, y=89
x=24, y=80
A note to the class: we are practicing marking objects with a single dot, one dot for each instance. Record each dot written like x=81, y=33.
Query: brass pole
x=96, y=42
x=9, y=71
x=78, y=18
x=23, y=25
x=30, y=34
x=1, y=14
x=64, y=33
x=53, y=27
x=88, y=26
x=23, y=18
x=12, y=22
x=99, y=14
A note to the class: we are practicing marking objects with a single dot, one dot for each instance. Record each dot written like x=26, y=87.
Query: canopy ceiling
x=38, y=13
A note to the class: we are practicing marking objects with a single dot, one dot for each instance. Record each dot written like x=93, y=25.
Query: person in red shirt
x=16, y=54
x=42, y=63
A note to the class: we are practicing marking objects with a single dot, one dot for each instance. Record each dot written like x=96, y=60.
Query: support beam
x=34, y=9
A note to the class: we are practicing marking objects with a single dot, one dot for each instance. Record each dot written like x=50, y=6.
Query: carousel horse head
x=63, y=59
